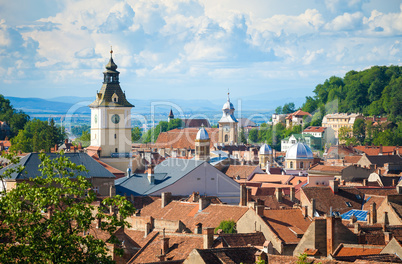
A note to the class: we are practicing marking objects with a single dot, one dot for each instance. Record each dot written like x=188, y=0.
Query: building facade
x=228, y=132
x=339, y=120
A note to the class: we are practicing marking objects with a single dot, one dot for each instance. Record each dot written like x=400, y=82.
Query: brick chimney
x=312, y=208
x=166, y=198
x=98, y=222
x=165, y=243
x=259, y=209
x=248, y=195
x=151, y=176
x=278, y=194
x=208, y=234
x=243, y=195
x=353, y=219
x=334, y=185
x=380, y=152
x=147, y=229
x=387, y=237
x=330, y=234
x=373, y=213
x=203, y=203
x=292, y=194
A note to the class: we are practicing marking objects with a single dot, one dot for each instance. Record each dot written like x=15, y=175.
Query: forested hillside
x=375, y=91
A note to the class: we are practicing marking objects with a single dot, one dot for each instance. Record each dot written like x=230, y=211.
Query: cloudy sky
x=192, y=48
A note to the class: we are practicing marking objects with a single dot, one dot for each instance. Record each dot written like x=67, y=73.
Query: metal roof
x=361, y=215
x=166, y=173
x=32, y=161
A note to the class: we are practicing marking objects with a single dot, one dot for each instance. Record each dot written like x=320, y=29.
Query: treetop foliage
x=14, y=118
x=51, y=218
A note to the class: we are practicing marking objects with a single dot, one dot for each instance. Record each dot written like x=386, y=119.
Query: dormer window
x=115, y=98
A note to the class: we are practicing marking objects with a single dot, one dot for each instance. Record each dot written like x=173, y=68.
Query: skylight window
x=348, y=204
x=358, y=196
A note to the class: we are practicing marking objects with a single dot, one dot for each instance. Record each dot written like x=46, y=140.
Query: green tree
x=253, y=135
x=359, y=130
x=278, y=110
x=50, y=219
x=84, y=139
x=175, y=123
x=38, y=135
x=242, y=137
x=15, y=119
x=288, y=108
x=227, y=226
x=136, y=134
x=77, y=130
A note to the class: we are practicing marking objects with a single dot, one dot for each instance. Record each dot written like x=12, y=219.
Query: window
x=212, y=179
x=95, y=189
x=198, y=179
x=115, y=150
x=301, y=164
x=115, y=99
x=291, y=165
x=348, y=204
x=226, y=138
x=115, y=136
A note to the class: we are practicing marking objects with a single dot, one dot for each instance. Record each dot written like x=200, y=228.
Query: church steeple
x=111, y=93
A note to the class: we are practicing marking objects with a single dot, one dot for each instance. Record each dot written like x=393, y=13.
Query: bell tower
x=228, y=124
x=111, y=117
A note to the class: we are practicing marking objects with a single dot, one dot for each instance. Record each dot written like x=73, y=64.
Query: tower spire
x=228, y=95
x=111, y=51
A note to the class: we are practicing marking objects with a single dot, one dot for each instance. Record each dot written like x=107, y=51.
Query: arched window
x=226, y=138
x=291, y=165
x=301, y=164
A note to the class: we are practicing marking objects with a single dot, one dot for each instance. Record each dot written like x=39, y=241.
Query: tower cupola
x=111, y=75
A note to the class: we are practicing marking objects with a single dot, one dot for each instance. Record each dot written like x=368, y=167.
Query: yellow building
x=338, y=120
x=228, y=124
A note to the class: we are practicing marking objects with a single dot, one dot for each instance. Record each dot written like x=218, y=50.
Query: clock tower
x=111, y=117
x=228, y=124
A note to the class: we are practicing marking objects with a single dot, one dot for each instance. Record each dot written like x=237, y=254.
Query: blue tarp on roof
x=361, y=215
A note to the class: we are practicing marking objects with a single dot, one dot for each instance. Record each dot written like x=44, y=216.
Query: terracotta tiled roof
x=285, y=222
x=345, y=250
x=116, y=172
x=5, y=143
x=271, y=202
x=317, y=129
x=244, y=171
x=375, y=150
x=372, y=199
x=239, y=240
x=228, y=255
x=189, y=214
x=184, y=138
x=325, y=199
x=180, y=246
x=352, y=159
x=271, y=178
x=323, y=168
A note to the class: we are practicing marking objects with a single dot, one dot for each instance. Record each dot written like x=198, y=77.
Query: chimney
x=278, y=194
x=259, y=209
x=166, y=198
x=151, y=177
x=208, y=234
x=387, y=237
x=399, y=189
x=248, y=195
x=393, y=183
x=243, y=195
x=380, y=152
x=198, y=229
x=386, y=220
x=165, y=243
x=292, y=194
x=305, y=210
x=364, y=182
x=373, y=213
x=203, y=203
x=334, y=185
x=353, y=219
x=147, y=229
x=312, y=208
x=330, y=235
x=356, y=228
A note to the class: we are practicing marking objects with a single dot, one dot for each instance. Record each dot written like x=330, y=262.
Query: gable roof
x=287, y=223
x=346, y=250
x=32, y=161
x=328, y=169
x=316, y=129
x=166, y=173
x=184, y=138
x=244, y=171
x=239, y=240
x=189, y=213
x=375, y=150
x=197, y=123
x=352, y=159
x=180, y=246
x=380, y=160
x=227, y=255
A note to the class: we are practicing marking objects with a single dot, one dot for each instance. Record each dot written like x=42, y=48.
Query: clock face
x=115, y=118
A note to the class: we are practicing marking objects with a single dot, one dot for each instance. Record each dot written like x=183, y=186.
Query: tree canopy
x=51, y=218
x=227, y=226
x=14, y=118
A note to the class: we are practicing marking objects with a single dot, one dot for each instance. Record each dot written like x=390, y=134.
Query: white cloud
x=346, y=22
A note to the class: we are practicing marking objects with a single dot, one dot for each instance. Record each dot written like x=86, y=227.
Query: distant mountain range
x=79, y=105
